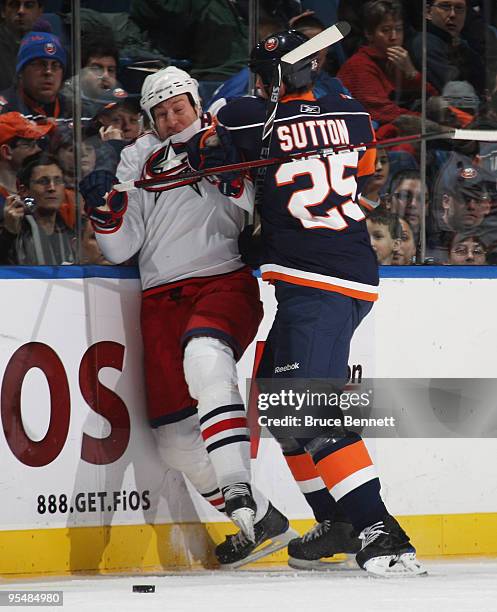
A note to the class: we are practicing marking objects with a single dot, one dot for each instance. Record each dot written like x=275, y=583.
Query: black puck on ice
x=143, y=588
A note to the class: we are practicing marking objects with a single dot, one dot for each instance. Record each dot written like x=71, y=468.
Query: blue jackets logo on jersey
x=161, y=165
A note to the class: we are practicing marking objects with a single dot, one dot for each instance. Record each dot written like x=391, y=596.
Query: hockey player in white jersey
x=200, y=310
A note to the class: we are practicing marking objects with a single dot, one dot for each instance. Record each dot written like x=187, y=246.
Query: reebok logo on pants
x=285, y=368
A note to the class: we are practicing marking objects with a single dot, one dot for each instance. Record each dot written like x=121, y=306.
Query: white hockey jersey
x=188, y=232
x=134, y=156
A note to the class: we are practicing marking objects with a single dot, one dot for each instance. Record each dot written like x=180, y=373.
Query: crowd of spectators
x=451, y=219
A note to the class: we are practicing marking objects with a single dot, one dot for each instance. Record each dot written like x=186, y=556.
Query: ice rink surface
x=462, y=585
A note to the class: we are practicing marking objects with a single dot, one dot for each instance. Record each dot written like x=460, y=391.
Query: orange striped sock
x=346, y=468
x=350, y=476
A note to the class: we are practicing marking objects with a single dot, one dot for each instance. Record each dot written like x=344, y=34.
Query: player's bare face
x=390, y=33
x=174, y=115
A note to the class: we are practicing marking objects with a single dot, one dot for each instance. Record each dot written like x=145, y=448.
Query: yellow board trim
x=153, y=548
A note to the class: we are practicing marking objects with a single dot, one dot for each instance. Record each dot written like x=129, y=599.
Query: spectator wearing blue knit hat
x=41, y=62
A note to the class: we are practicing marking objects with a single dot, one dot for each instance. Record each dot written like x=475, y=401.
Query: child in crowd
x=376, y=183
x=405, y=255
x=384, y=232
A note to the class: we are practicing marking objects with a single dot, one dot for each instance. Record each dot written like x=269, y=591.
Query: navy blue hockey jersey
x=313, y=230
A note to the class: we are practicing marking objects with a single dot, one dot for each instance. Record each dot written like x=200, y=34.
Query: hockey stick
x=324, y=39
x=267, y=135
x=190, y=177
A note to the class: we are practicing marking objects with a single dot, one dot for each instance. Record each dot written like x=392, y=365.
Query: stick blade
x=324, y=39
x=483, y=135
x=344, y=27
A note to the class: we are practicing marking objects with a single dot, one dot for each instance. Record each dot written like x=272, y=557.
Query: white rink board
x=418, y=328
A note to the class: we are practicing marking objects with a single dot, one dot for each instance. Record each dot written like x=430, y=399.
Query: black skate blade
x=266, y=548
x=343, y=563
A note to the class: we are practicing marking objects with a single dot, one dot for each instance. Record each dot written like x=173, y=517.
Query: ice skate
x=272, y=533
x=316, y=548
x=240, y=507
x=387, y=552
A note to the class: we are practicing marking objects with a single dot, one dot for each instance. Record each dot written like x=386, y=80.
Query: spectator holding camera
x=34, y=233
x=19, y=138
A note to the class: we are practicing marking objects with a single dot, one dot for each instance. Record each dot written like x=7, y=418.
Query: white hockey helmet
x=165, y=84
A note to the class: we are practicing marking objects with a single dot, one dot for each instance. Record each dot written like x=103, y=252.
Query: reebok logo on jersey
x=311, y=110
x=285, y=368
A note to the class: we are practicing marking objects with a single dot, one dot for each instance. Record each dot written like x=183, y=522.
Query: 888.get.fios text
x=93, y=501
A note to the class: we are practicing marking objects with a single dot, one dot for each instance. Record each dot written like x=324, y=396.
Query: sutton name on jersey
x=314, y=230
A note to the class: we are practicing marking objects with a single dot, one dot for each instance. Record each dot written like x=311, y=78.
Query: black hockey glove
x=93, y=188
x=251, y=247
x=211, y=149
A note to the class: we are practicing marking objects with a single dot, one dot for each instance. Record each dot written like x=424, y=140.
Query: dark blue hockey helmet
x=268, y=52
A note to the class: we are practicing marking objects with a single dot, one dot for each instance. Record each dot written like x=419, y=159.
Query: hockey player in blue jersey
x=318, y=256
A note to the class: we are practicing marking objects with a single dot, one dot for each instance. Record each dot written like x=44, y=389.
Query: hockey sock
x=311, y=485
x=350, y=476
x=210, y=372
x=182, y=448
x=226, y=437
x=215, y=498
